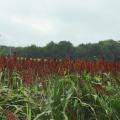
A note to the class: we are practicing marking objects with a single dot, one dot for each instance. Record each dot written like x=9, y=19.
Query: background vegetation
x=108, y=49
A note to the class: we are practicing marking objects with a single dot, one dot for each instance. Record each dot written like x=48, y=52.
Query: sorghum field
x=59, y=89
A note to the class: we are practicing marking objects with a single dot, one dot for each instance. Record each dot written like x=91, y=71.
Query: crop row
x=44, y=67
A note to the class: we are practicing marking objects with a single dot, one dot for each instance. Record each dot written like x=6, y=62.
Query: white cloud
x=23, y=22
x=36, y=24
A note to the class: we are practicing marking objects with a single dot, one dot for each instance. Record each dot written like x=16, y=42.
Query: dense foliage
x=59, y=89
x=108, y=49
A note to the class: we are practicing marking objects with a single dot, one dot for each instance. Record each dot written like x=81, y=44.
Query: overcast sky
x=26, y=22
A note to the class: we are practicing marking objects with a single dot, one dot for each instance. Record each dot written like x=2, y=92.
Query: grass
x=68, y=97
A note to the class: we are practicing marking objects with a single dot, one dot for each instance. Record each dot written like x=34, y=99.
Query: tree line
x=108, y=49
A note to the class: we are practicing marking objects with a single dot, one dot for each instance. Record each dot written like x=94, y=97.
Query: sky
x=26, y=22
